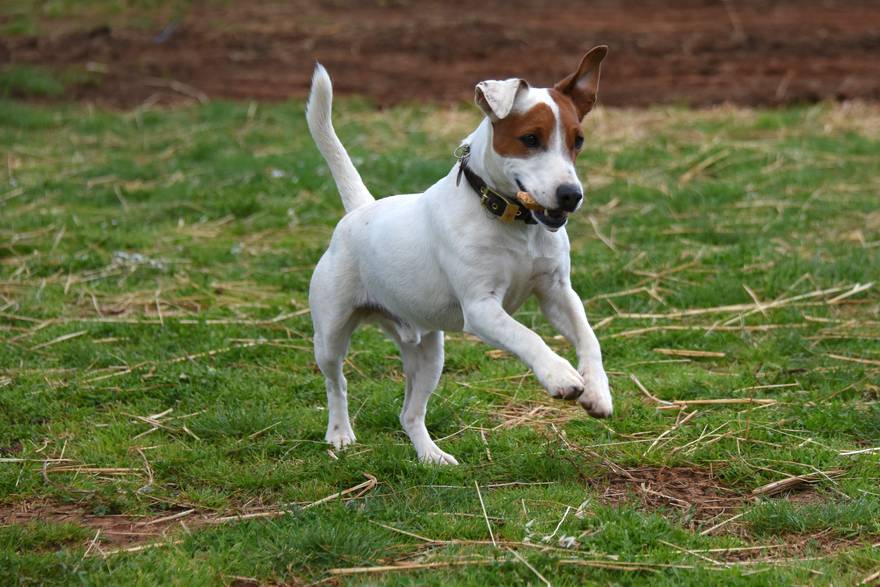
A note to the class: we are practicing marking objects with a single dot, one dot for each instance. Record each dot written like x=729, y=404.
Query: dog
x=463, y=255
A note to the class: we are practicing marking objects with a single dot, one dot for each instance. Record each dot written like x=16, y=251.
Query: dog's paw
x=596, y=399
x=434, y=456
x=561, y=380
x=340, y=436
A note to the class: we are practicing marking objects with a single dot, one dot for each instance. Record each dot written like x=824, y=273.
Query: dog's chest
x=523, y=276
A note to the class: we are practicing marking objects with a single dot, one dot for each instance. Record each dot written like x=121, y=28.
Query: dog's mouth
x=552, y=219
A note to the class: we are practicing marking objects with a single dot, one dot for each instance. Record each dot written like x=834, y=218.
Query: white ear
x=496, y=98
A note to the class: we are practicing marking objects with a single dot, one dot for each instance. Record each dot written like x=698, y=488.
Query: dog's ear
x=496, y=98
x=583, y=85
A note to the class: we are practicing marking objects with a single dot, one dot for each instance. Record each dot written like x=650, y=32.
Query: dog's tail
x=318, y=114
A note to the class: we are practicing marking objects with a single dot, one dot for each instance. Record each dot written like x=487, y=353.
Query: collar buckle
x=504, y=209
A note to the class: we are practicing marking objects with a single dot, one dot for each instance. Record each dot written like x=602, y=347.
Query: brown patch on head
x=538, y=120
x=569, y=121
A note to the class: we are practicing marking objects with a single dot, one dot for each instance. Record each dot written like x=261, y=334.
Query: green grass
x=38, y=17
x=159, y=260
x=25, y=81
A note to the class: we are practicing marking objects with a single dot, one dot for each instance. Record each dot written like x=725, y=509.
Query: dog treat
x=528, y=201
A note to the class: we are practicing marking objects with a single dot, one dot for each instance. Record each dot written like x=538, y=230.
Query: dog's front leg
x=565, y=311
x=486, y=318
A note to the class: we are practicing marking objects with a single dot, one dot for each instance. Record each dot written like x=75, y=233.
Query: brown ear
x=583, y=84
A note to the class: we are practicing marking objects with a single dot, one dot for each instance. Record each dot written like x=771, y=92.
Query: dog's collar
x=506, y=208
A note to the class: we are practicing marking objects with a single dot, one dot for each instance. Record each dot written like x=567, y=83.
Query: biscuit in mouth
x=528, y=201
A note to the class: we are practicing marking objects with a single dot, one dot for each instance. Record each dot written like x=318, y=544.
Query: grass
x=36, y=17
x=25, y=81
x=156, y=359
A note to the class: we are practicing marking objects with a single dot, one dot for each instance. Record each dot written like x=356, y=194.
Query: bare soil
x=111, y=530
x=661, y=51
x=695, y=492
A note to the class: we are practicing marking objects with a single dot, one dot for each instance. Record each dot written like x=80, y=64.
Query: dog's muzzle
x=568, y=196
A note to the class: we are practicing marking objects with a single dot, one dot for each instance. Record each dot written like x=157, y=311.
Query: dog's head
x=536, y=136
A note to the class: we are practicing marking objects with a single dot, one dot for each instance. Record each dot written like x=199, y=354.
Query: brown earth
x=695, y=492
x=705, y=503
x=118, y=531
x=661, y=51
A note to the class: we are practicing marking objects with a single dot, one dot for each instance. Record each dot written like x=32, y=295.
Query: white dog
x=463, y=255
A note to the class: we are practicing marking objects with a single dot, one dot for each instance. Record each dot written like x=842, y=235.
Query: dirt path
x=689, y=51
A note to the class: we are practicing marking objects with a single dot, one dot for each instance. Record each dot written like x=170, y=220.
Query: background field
x=156, y=379
x=697, y=52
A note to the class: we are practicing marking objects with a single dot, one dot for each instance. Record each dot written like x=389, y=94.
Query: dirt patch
x=116, y=531
x=126, y=532
x=790, y=546
x=705, y=503
x=694, y=51
x=696, y=493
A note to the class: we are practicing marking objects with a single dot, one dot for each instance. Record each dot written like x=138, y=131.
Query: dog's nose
x=568, y=195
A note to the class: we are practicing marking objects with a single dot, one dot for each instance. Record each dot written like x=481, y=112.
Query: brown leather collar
x=506, y=208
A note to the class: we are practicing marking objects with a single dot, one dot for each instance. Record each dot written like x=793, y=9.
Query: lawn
x=162, y=419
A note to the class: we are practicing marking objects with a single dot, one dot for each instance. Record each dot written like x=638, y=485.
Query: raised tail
x=318, y=114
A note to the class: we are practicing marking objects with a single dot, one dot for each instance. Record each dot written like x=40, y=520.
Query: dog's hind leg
x=422, y=365
x=332, y=335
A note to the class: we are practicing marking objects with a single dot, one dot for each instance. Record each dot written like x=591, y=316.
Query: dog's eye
x=530, y=141
x=578, y=142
